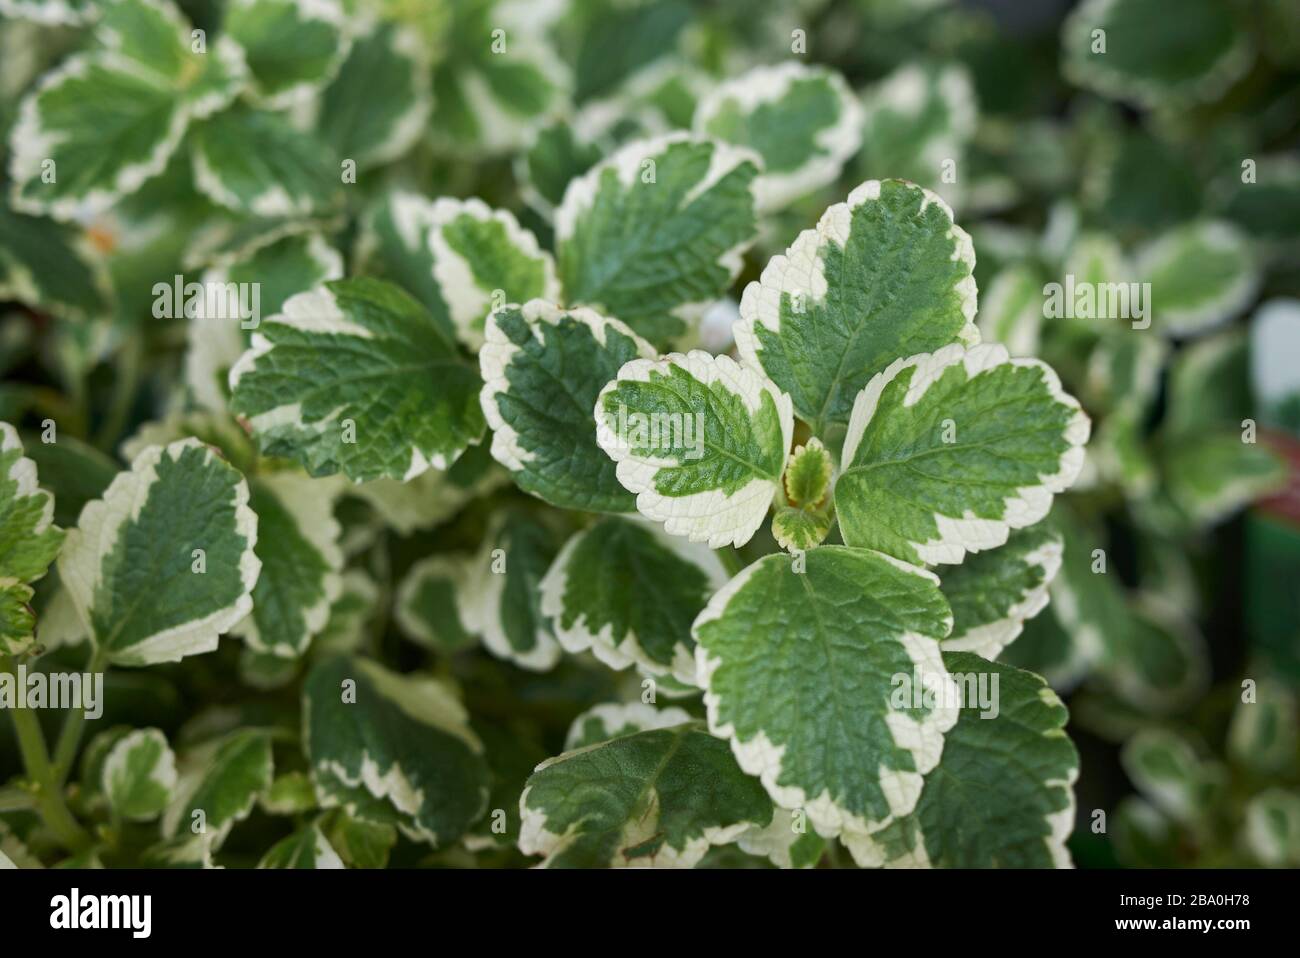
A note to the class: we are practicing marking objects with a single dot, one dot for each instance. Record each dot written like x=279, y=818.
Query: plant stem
x=732, y=561
x=70, y=737
x=48, y=796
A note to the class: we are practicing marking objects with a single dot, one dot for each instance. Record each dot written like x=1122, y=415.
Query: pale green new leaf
x=655, y=233
x=29, y=540
x=393, y=749
x=949, y=451
x=885, y=274
x=292, y=47
x=290, y=794
x=600, y=723
x=139, y=775
x=356, y=377
x=652, y=799
x=844, y=627
x=220, y=782
x=306, y=848
x=502, y=599
x=803, y=122
x=542, y=369
x=428, y=603
x=629, y=592
x=1002, y=796
x=700, y=440
x=804, y=519
x=164, y=562
x=17, y=620
x=993, y=594
x=1202, y=274
x=1211, y=474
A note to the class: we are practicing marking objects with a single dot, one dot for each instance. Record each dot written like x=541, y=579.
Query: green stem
x=48, y=796
x=70, y=738
x=732, y=561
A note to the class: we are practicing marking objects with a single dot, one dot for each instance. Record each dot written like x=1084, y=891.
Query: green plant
x=378, y=438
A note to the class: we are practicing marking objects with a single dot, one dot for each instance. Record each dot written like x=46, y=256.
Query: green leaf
x=700, y=440
x=306, y=848
x=256, y=164
x=502, y=598
x=1145, y=62
x=73, y=471
x=655, y=233
x=559, y=154
x=139, y=775
x=513, y=751
x=360, y=844
x=350, y=615
x=1002, y=795
x=29, y=540
x=1166, y=769
x=132, y=565
x=1159, y=664
x=787, y=842
x=393, y=749
x=276, y=271
x=802, y=121
x=543, y=368
x=1272, y=829
x=220, y=782
x=357, y=352
x=993, y=594
x=1262, y=734
x=106, y=125
x=499, y=78
x=17, y=620
x=481, y=259
x=628, y=592
x=298, y=545
x=292, y=46
x=290, y=794
x=885, y=274
x=50, y=267
x=600, y=723
x=1201, y=274
x=378, y=106
x=1012, y=311
x=845, y=628
x=804, y=520
x=1211, y=474
x=656, y=799
x=949, y=451
x=432, y=498
x=915, y=119
x=428, y=603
